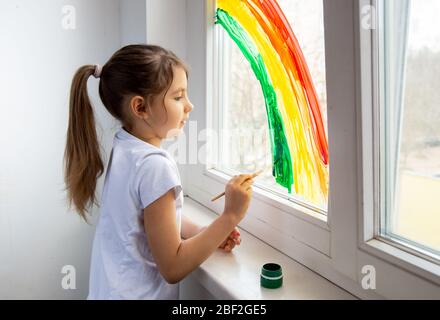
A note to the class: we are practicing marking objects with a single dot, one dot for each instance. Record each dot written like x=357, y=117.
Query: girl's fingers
x=233, y=240
x=235, y=236
x=224, y=244
x=235, y=233
x=227, y=243
x=236, y=240
x=230, y=245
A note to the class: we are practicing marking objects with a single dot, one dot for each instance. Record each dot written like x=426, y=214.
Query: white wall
x=38, y=236
x=166, y=25
x=133, y=24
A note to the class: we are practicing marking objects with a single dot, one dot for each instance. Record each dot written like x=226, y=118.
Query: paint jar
x=271, y=276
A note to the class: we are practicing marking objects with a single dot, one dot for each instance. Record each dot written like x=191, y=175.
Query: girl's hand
x=232, y=240
x=238, y=192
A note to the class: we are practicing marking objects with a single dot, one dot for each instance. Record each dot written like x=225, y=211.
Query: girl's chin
x=174, y=132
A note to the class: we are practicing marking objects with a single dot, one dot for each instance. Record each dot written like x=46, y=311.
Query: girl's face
x=170, y=113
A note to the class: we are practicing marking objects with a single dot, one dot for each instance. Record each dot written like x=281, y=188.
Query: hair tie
x=98, y=70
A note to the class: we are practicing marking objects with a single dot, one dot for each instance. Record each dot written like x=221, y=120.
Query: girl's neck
x=155, y=141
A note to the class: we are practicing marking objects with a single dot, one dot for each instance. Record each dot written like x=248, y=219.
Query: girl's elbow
x=172, y=278
x=170, y=274
x=172, y=281
x=170, y=269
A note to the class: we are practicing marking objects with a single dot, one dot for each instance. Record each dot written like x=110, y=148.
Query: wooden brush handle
x=223, y=193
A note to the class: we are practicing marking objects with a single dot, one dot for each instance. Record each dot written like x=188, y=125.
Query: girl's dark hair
x=144, y=70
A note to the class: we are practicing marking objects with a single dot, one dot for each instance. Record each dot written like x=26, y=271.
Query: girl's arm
x=176, y=258
x=189, y=228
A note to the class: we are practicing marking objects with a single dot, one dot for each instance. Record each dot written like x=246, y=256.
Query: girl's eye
x=177, y=98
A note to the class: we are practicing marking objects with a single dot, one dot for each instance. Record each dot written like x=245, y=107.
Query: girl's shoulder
x=156, y=175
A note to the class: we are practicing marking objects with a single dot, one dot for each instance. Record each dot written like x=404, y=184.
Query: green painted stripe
x=281, y=158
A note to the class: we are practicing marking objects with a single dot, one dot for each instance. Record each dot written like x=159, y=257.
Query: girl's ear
x=139, y=107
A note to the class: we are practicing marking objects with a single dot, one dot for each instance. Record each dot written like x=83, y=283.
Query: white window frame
x=339, y=247
x=370, y=240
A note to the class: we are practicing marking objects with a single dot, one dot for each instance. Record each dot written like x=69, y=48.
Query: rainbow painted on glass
x=297, y=134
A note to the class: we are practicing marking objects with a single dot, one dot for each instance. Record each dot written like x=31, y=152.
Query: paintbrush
x=223, y=193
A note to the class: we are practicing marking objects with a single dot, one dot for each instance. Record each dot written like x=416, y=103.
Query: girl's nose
x=189, y=106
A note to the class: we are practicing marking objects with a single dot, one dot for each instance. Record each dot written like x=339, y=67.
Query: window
x=340, y=245
x=250, y=127
x=409, y=100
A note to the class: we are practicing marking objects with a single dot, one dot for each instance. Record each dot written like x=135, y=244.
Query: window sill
x=426, y=269
x=236, y=275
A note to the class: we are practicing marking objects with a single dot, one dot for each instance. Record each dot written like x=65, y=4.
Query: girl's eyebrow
x=178, y=90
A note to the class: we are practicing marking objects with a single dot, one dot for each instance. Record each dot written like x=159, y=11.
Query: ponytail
x=82, y=160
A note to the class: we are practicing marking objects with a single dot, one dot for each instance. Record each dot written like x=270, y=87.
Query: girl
x=143, y=246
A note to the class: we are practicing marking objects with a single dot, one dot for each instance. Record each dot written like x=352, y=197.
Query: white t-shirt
x=122, y=265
